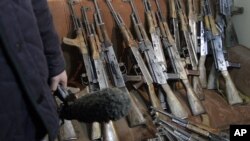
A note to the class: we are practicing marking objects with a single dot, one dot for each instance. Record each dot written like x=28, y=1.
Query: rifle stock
x=212, y=78
x=67, y=131
x=197, y=86
x=134, y=49
x=155, y=68
x=108, y=132
x=178, y=109
x=231, y=91
x=95, y=131
x=135, y=117
x=191, y=51
x=77, y=42
x=219, y=60
x=194, y=102
x=202, y=70
x=196, y=108
x=152, y=95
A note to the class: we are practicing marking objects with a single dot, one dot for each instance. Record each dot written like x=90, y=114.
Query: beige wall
x=242, y=22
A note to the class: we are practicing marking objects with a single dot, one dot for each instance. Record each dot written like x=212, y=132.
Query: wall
x=242, y=22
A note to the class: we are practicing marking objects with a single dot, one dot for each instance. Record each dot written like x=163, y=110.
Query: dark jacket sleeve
x=52, y=49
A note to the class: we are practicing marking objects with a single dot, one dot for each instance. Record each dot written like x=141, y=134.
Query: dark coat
x=27, y=111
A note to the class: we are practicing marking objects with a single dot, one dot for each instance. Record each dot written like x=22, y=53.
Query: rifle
x=195, y=23
x=80, y=42
x=199, y=129
x=203, y=46
x=170, y=45
x=219, y=59
x=156, y=69
x=133, y=46
x=109, y=133
x=191, y=49
x=135, y=117
x=179, y=133
x=156, y=42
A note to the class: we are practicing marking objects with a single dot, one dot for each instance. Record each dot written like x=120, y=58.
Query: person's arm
x=51, y=44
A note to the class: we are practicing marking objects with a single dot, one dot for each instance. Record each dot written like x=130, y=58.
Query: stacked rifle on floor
x=183, y=41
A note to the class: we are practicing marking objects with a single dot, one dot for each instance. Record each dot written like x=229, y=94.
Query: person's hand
x=58, y=79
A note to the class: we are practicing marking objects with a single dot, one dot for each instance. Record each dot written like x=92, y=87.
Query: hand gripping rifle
x=170, y=45
x=158, y=72
x=135, y=117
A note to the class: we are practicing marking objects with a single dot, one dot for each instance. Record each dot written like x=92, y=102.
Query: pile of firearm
x=184, y=39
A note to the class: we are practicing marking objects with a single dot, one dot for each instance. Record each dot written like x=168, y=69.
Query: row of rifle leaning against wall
x=149, y=48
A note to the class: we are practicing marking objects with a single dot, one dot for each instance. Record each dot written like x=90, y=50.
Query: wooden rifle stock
x=108, y=132
x=195, y=104
x=140, y=62
x=216, y=45
x=202, y=70
x=231, y=91
x=158, y=74
x=191, y=50
x=77, y=42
